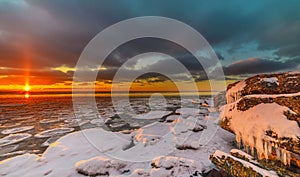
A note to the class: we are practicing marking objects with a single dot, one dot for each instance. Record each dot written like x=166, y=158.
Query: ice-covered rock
x=239, y=167
x=100, y=166
x=174, y=166
x=264, y=114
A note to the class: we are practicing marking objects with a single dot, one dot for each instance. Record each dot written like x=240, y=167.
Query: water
x=31, y=124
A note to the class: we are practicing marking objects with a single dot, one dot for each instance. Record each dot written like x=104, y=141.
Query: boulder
x=239, y=167
x=264, y=113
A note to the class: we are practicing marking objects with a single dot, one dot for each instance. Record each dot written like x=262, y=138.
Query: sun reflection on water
x=26, y=95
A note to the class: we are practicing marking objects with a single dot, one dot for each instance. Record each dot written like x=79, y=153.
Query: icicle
x=266, y=150
x=278, y=153
x=270, y=149
x=284, y=158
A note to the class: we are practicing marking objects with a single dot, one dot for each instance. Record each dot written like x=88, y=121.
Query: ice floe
x=49, y=121
x=53, y=132
x=153, y=115
x=14, y=138
x=17, y=130
x=8, y=149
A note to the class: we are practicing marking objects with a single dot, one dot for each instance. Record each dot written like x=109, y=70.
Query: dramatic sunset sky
x=40, y=41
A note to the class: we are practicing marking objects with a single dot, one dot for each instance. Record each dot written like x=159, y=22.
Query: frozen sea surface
x=172, y=129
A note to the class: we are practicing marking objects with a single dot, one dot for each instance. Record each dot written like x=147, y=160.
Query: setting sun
x=27, y=87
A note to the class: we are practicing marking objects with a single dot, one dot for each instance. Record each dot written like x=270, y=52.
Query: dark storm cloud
x=257, y=65
x=52, y=33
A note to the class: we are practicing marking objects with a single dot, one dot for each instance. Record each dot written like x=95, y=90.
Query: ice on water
x=164, y=123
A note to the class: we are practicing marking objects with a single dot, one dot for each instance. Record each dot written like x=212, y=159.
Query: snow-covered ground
x=178, y=146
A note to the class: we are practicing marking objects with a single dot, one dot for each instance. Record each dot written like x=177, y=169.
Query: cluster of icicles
x=263, y=149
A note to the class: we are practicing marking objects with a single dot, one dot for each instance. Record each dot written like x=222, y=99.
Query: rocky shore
x=264, y=113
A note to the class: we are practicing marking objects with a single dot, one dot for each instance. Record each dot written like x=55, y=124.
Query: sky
x=41, y=41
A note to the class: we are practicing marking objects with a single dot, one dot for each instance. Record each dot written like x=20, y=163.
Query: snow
x=219, y=154
x=272, y=96
x=150, y=134
x=14, y=138
x=90, y=151
x=17, y=130
x=186, y=112
x=271, y=80
x=53, y=132
x=97, y=121
x=172, y=118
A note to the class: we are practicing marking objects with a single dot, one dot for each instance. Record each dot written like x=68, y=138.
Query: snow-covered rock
x=264, y=114
x=281, y=83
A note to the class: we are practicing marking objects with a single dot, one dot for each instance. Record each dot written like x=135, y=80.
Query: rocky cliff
x=264, y=113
